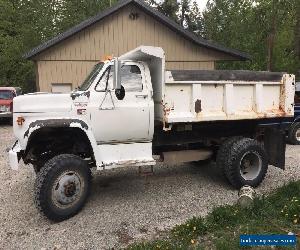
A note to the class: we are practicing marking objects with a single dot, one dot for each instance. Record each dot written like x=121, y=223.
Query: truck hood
x=42, y=103
x=5, y=102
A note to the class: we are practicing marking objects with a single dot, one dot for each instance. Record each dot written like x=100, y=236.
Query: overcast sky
x=202, y=4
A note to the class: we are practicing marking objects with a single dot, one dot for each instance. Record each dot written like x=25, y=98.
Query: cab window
x=6, y=95
x=105, y=80
x=131, y=78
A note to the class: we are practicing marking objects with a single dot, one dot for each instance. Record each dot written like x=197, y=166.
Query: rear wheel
x=294, y=134
x=62, y=187
x=37, y=168
x=246, y=163
x=223, y=153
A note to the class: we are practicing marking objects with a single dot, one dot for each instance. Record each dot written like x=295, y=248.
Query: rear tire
x=246, y=163
x=294, y=134
x=223, y=152
x=36, y=168
x=62, y=187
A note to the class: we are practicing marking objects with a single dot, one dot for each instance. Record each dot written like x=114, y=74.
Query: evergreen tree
x=169, y=8
x=263, y=28
x=73, y=12
x=194, y=19
x=26, y=24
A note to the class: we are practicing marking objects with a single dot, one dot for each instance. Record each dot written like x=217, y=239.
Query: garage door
x=61, y=87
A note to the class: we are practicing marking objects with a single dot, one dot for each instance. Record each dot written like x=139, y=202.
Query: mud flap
x=275, y=145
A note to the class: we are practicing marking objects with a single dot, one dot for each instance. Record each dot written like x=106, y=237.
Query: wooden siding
x=72, y=59
x=51, y=72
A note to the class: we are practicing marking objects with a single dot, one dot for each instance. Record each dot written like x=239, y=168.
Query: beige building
x=63, y=62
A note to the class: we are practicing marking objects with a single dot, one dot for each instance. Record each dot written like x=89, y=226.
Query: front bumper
x=6, y=114
x=13, y=156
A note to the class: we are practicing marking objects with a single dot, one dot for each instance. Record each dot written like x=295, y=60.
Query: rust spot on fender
x=198, y=107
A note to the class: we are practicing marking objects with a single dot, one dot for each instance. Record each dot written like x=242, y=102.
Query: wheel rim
x=67, y=189
x=298, y=134
x=250, y=165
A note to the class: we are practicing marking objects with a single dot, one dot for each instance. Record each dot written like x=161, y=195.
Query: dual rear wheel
x=243, y=161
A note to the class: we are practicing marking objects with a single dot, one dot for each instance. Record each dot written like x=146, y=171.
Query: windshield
x=6, y=95
x=91, y=77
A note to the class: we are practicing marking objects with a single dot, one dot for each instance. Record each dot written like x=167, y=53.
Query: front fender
x=35, y=125
x=55, y=123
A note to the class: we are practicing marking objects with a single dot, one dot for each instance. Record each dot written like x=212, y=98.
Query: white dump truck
x=131, y=111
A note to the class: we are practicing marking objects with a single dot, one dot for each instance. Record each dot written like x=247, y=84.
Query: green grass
x=278, y=213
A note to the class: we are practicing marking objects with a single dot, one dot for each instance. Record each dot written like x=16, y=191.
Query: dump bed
x=202, y=95
x=211, y=95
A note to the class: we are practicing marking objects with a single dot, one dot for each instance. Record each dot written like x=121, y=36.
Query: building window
x=61, y=87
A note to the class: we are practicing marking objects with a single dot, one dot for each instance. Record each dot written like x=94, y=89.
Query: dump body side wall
x=199, y=101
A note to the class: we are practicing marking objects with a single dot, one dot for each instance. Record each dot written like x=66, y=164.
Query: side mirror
x=119, y=89
x=120, y=93
x=117, y=74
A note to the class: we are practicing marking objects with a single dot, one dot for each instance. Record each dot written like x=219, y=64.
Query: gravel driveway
x=124, y=207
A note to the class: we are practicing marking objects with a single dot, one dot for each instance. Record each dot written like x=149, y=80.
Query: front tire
x=294, y=134
x=246, y=163
x=62, y=187
x=11, y=121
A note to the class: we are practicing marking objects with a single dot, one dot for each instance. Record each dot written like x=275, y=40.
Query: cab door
x=121, y=121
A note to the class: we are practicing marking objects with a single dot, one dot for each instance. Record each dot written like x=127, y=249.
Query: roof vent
x=133, y=16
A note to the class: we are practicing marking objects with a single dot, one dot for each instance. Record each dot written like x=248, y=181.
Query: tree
x=14, y=69
x=297, y=34
x=184, y=12
x=26, y=24
x=263, y=28
x=169, y=8
x=73, y=12
x=194, y=19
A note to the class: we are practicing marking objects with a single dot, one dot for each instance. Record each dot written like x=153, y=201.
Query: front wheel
x=62, y=187
x=246, y=163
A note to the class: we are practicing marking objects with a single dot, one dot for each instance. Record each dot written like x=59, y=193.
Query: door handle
x=141, y=96
x=108, y=108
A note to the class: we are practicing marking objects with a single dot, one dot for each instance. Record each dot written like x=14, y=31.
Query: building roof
x=149, y=10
